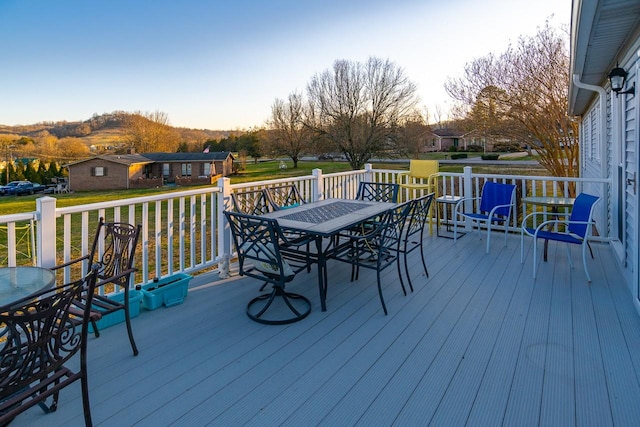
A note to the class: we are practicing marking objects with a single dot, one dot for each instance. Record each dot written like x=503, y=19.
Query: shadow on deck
x=478, y=343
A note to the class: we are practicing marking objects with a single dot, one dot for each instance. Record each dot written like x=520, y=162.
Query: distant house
x=174, y=167
x=443, y=139
x=124, y=171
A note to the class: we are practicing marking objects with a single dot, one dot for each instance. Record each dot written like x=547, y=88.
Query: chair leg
x=86, y=407
x=384, y=307
x=129, y=329
x=278, y=291
x=96, y=331
x=584, y=261
x=406, y=269
x=399, y=268
x=424, y=263
x=488, y=234
x=569, y=256
x=535, y=255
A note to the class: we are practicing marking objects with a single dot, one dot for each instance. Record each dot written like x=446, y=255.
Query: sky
x=221, y=64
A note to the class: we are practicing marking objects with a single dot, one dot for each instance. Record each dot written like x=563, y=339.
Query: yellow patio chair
x=422, y=176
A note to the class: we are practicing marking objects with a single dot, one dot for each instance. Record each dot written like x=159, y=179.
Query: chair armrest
x=523, y=225
x=500, y=206
x=556, y=214
x=559, y=221
x=460, y=202
x=115, y=279
x=68, y=263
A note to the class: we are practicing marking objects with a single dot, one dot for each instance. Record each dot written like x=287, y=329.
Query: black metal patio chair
x=375, y=247
x=113, y=251
x=258, y=242
x=412, y=236
x=39, y=335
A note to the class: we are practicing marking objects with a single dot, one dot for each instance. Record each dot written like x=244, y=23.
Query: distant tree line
x=31, y=170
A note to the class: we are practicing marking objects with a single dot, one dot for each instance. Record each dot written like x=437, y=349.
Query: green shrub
x=459, y=156
x=475, y=148
x=453, y=149
x=492, y=156
x=507, y=147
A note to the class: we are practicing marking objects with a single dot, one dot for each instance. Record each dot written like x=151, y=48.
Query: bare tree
x=410, y=137
x=148, y=132
x=358, y=107
x=523, y=95
x=289, y=134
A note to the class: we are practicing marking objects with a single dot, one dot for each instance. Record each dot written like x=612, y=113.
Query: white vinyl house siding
x=630, y=140
x=592, y=165
x=590, y=135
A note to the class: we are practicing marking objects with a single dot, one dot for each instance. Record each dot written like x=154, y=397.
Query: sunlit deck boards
x=478, y=343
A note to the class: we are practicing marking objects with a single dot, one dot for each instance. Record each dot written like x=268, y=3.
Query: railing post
x=368, y=172
x=224, y=236
x=467, y=187
x=46, y=231
x=317, y=191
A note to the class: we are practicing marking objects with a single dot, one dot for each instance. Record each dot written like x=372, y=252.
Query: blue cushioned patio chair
x=575, y=228
x=258, y=241
x=496, y=202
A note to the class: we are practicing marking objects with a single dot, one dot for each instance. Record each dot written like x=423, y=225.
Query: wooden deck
x=479, y=343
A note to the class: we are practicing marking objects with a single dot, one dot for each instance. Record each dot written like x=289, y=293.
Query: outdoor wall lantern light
x=617, y=78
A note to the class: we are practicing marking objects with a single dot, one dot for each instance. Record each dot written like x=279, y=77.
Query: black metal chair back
x=253, y=202
x=284, y=196
x=378, y=192
x=40, y=334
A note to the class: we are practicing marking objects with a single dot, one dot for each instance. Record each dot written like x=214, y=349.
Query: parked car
x=23, y=187
x=6, y=189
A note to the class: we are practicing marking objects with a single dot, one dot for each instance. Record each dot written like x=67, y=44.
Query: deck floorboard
x=478, y=343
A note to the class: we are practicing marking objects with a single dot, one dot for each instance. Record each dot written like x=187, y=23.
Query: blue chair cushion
x=484, y=217
x=293, y=205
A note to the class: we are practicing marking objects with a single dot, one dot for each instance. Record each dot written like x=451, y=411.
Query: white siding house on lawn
x=605, y=35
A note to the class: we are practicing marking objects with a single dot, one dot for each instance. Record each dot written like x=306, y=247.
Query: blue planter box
x=135, y=297
x=169, y=291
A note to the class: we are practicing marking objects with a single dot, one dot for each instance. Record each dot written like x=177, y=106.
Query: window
x=207, y=169
x=165, y=169
x=99, y=171
x=186, y=169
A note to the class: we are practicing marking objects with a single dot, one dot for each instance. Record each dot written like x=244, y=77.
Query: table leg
x=322, y=274
x=554, y=212
x=546, y=247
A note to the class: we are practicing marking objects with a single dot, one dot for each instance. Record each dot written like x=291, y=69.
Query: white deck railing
x=184, y=231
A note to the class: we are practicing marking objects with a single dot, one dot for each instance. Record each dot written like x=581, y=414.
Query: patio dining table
x=325, y=219
x=19, y=282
